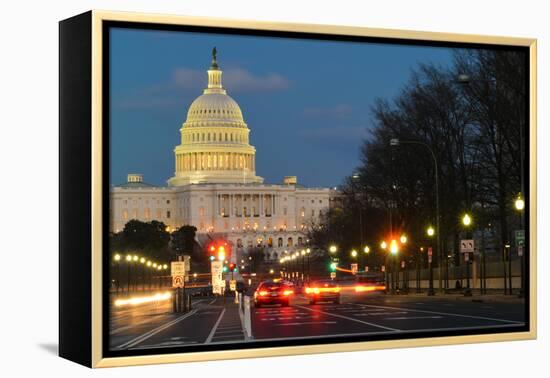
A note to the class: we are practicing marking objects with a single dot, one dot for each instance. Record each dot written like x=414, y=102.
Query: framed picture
x=234, y=189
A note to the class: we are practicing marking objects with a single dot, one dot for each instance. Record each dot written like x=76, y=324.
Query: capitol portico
x=215, y=187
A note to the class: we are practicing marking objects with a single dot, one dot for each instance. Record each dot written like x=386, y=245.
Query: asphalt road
x=382, y=314
x=214, y=320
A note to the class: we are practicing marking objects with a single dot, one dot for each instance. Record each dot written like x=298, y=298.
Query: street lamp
x=117, y=260
x=396, y=143
x=333, y=249
x=383, y=245
x=354, y=253
x=430, y=232
x=467, y=222
x=403, y=239
x=519, y=204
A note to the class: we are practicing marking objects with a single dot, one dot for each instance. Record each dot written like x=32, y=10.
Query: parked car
x=323, y=291
x=269, y=292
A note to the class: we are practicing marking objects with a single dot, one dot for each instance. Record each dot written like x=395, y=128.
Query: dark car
x=323, y=291
x=270, y=293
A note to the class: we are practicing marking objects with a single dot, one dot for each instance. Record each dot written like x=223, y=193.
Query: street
x=215, y=320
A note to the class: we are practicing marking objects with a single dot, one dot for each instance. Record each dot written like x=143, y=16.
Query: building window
x=168, y=202
x=312, y=212
x=300, y=240
x=168, y=214
x=239, y=243
x=289, y=243
x=302, y=212
x=284, y=210
x=159, y=214
x=201, y=211
x=125, y=214
x=280, y=242
x=270, y=242
x=147, y=213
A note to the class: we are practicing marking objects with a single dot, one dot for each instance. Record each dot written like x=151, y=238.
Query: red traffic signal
x=232, y=267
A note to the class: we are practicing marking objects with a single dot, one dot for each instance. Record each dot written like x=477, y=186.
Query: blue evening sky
x=307, y=103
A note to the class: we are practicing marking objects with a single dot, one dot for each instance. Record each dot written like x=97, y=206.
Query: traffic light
x=224, y=269
x=232, y=267
x=333, y=266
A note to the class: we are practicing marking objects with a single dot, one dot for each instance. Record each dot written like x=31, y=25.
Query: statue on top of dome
x=214, y=58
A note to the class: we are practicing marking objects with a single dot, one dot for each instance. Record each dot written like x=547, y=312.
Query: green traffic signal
x=224, y=269
x=333, y=266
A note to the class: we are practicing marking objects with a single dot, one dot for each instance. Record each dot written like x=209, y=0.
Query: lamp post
x=467, y=222
x=128, y=273
x=396, y=142
x=142, y=261
x=367, y=252
x=418, y=257
x=117, y=263
x=404, y=266
x=430, y=232
x=519, y=204
x=394, y=249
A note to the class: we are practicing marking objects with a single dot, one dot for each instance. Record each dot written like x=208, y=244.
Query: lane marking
x=448, y=314
x=154, y=331
x=294, y=324
x=209, y=338
x=415, y=317
x=352, y=319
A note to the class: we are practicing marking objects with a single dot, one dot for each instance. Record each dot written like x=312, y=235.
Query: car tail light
x=288, y=292
x=263, y=293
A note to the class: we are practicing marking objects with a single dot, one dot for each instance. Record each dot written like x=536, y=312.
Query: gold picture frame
x=95, y=25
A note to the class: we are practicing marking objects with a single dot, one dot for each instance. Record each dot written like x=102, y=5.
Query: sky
x=307, y=102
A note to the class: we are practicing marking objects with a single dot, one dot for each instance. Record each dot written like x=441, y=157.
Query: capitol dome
x=214, y=139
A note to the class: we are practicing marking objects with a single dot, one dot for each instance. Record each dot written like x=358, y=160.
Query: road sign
x=187, y=263
x=382, y=268
x=430, y=251
x=520, y=250
x=177, y=281
x=520, y=237
x=332, y=275
x=430, y=259
x=466, y=257
x=217, y=282
x=233, y=285
x=354, y=268
x=177, y=268
x=366, y=269
x=402, y=264
x=467, y=245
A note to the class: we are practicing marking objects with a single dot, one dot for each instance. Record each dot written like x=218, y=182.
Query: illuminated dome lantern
x=214, y=139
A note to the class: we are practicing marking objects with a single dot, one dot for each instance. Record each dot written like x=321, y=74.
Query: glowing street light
x=333, y=249
x=128, y=258
x=117, y=257
x=393, y=247
x=519, y=203
x=430, y=231
x=135, y=258
x=366, y=249
x=466, y=220
x=354, y=253
x=403, y=239
x=142, y=260
x=383, y=245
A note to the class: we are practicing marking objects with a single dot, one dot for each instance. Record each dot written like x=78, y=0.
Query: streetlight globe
x=430, y=231
x=136, y=258
x=366, y=249
x=354, y=253
x=519, y=203
x=142, y=260
x=128, y=258
x=308, y=250
x=117, y=257
x=383, y=245
x=149, y=263
x=403, y=239
x=154, y=265
x=466, y=220
x=393, y=247
x=333, y=249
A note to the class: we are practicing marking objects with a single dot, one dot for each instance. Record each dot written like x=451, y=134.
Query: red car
x=269, y=292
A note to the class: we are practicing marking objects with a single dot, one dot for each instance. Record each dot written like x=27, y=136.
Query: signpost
x=354, y=268
x=179, y=270
x=332, y=275
x=217, y=270
x=233, y=285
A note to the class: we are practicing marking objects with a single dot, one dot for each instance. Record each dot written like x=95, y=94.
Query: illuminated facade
x=215, y=187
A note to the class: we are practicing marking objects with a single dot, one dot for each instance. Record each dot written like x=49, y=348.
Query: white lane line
x=449, y=314
x=211, y=335
x=348, y=318
x=212, y=301
x=415, y=317
x=154, y=331
x=295, y=324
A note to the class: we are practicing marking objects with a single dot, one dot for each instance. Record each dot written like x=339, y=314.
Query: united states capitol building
x=216, y=189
